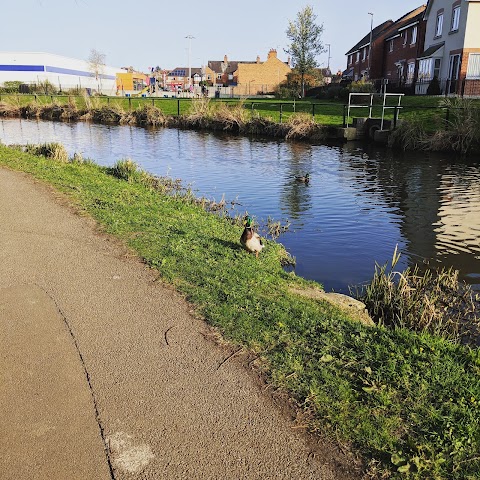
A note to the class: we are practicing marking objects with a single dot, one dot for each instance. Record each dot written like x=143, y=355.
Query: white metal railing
x=350, y=95
x=396, y=107
x=370, y=104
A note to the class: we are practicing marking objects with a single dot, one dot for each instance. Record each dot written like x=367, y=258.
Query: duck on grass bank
x=302, y=178
x=250, y=239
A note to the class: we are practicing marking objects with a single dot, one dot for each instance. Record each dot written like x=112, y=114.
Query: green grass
x=409, y=402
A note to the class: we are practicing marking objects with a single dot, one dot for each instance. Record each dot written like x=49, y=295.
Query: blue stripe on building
x=50, y=69
x=78, y=73
x=22, y=68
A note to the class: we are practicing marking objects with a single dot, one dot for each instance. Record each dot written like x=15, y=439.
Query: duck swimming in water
x=303, y=178
x=250, y=239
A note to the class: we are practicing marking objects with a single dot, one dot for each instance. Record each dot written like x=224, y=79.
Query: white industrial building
x=62, y=72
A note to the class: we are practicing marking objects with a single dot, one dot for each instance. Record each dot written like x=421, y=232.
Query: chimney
x=225, y=59
x=272, y=53
x=258, y=58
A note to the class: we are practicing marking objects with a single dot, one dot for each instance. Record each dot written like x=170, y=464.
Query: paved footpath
x=105, y=374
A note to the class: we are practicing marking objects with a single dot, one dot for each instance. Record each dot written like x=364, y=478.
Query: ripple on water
x=360, y=203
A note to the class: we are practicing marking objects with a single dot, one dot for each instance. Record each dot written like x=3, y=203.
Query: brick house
x=261, y=77
x=223, y=71
x=402, y=45
x=452, y=47
x=358, y=57
x=178, y=77
x=250, y=77
x=394, y=50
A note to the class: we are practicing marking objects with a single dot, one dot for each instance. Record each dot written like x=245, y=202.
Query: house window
x=219, y=76
x=473, y=69
x=414, y=35
x=209, y=77
x=364, y=54
x=390, y=47
x=436, y=67
x=358, y=57
x=405, y=37
x=439, y=25
x=455, y=18
x=410, y=72
x=425, y=69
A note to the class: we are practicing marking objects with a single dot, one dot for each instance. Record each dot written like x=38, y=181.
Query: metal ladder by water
x=370, y=105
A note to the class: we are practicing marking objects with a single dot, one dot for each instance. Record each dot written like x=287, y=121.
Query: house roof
x=431, y=50
x=410, y=18
x=218, y=66
x=183, y=71
x=376, y=32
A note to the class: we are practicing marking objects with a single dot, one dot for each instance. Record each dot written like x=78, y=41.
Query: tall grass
x=460, y=133
x=55, y=151
x=432, y=301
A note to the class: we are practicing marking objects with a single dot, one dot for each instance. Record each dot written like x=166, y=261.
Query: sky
x=149, y=34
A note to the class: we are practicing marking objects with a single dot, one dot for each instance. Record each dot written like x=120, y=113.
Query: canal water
x=361, y=201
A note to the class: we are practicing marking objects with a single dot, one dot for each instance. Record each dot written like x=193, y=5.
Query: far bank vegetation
x=203, y=114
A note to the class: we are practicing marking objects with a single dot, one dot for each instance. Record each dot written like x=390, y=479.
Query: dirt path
x=112, y=359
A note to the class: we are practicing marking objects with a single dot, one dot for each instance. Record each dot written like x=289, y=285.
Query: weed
x=125, y=169
x=55, y=151
x=432, y=301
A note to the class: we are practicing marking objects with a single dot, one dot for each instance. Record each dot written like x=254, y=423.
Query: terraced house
x=452, y=47
x=250, y=77
x=440, y=39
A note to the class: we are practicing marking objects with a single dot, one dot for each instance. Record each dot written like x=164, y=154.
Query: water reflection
x=360, y=203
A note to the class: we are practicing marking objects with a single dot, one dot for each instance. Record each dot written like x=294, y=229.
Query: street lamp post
x=190, y=37
x=328, y=61
x=370, y=45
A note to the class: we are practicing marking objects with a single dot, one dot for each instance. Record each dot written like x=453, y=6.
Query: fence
x=464, y=87
x=329, y=114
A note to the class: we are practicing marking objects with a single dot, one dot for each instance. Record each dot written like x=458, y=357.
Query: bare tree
x=304, y=35
x=96, y=63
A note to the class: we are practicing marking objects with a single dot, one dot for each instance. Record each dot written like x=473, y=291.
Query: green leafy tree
x=304, y=35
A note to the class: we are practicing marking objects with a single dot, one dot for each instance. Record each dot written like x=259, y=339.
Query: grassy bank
x=425, y=118
x=408, y=402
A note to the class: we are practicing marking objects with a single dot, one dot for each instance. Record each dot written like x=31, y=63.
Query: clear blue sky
x=145, y=34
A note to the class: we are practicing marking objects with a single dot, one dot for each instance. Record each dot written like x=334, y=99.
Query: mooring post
x=281, y=112
x=178, y=107
x=313, y=110
x=129, y=103
x=344, y=116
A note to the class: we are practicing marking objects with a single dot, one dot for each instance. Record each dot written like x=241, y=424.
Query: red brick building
x=395, y=48
x=402, y=46
x=358, y=56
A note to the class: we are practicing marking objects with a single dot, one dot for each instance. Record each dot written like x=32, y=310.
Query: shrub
x=361, y=86
x=434, y=87
x=12, y=86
